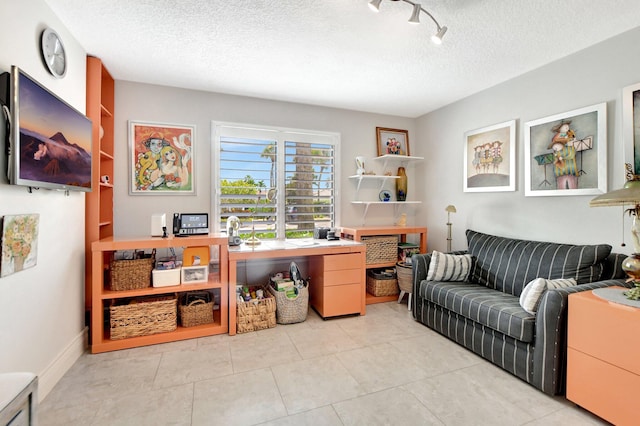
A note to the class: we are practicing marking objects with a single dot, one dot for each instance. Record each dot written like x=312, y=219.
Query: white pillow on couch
x=449, y=267
x=533, y=291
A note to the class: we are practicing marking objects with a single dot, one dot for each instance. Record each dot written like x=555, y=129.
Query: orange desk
x=603, y=367
x=325, y=296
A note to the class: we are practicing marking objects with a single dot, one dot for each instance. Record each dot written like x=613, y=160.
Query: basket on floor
x=130, y=274
x=404, y=273
x=291, y=310
x=381, y=283
x=381, y=249
x=142, y=317
x=197, y=312
x=256, y=314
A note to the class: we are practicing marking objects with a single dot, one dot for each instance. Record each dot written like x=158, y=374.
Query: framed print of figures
x=392, y=141
x=566, y=154
x=162, y=158
x=631, y=129
x=489, y=158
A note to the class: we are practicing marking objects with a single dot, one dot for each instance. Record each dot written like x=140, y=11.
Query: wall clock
x=53, y=53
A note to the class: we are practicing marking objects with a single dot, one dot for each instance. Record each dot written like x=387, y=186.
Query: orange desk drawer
x=341, y=261
x=604, y=330
x=341, y=300
x=346, y=276
x=602, y=388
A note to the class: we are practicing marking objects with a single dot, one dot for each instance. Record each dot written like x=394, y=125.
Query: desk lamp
x=629, y=194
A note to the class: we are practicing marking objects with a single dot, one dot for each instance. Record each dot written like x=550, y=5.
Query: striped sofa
x=484, y=315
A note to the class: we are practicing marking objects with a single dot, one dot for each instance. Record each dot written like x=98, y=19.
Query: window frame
x=281, y=135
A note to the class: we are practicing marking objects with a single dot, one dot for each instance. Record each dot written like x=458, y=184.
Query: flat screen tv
x=48, y=141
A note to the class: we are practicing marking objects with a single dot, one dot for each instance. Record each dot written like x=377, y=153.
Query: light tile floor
x=379, y=369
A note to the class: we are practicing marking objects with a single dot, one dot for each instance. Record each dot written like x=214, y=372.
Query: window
x=280, y=183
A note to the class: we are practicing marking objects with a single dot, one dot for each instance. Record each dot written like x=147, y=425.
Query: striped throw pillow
x=532, y=292
x=449, y=267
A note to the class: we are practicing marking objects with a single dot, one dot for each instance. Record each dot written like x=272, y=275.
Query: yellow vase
x=401, y=185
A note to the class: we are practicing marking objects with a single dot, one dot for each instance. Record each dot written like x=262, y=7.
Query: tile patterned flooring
x=379, y=369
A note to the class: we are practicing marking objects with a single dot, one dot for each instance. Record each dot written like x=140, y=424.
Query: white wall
x=42, y=308
x=135, y=101
x=592, y=76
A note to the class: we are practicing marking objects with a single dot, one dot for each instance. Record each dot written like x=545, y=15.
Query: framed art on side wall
x=392, y=141
x=162, y=158
x=631, y=129
x=566, y=154
x=489, y=158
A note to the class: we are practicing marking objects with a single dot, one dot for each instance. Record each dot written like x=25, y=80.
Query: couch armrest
x=550, y=344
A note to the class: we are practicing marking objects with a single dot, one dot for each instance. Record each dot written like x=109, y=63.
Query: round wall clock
x=53, y=53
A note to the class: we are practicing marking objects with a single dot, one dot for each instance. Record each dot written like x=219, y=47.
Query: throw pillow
x=532, y=292
x=449, y=267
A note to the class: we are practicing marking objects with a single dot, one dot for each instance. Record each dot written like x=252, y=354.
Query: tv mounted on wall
x=48, y=141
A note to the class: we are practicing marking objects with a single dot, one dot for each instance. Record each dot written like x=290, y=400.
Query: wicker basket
x=143, y=317
x=256, y=314
x=381, y=286
x=381, y=249
x=404, y=273
x=291, y=310
x=130, y=274
x=195, y=313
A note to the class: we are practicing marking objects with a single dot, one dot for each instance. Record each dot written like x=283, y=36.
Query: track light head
x=375, y=5
x=437, y=37
x=415, y=16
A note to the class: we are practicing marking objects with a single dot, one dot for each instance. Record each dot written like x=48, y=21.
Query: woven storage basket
x=130, y=274
x=195, y=313
x=143, y=317
x=256, y=314
x=291, y=310
x=404, y=273
x=387, y=286
x=381, y=249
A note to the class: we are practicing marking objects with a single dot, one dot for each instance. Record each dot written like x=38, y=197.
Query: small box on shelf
x=166, y=277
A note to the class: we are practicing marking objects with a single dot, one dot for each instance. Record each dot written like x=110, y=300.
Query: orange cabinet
x=603, y=372
x=337, y=284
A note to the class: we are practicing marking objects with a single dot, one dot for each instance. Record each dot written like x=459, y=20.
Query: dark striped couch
x=484, y=313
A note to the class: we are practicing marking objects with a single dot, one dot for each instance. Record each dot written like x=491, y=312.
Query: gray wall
x=589, y=77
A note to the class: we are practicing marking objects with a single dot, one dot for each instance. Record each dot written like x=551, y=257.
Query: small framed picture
x=194, y=274
x=392, y=141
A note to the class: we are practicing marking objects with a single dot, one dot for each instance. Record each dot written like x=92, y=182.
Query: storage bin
x=165, y=277
x=256, y=314
x=404, y=273
x=381, y=284
x=143, y=317
x=130, y=274
x=381, y=249
x=196, y=313
x=291, y=310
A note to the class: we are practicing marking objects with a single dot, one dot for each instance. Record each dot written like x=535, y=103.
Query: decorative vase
x=401, y=185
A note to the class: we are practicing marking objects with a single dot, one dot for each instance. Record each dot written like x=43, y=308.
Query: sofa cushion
x=449, y=267
x=508, y=264
x=497, y=310
x=532, y=293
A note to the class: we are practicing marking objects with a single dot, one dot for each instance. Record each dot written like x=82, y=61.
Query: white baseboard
x=63, y=362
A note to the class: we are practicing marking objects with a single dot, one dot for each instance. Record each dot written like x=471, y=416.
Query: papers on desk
x=303, y=243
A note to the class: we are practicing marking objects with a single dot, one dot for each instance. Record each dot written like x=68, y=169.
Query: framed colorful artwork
x=392, y=141
x=631, y=129
x=490, y=158
x=19, y=243
x=162, y=159
x=566, y=154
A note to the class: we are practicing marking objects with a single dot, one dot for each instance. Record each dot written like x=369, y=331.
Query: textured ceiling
x=338, y=53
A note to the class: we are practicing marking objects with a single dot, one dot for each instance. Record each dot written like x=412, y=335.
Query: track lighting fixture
x=415, y=17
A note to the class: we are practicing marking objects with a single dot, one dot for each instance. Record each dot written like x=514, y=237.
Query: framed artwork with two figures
x=392, y=141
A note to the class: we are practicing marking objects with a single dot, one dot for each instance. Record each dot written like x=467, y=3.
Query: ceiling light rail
x=415, y=17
